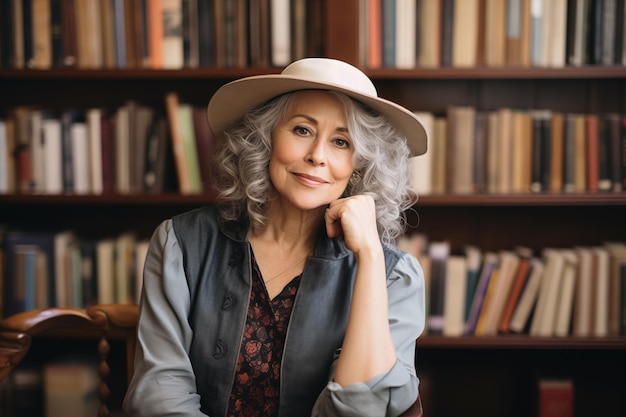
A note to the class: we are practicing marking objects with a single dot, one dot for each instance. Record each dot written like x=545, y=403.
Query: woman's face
x=311, y=161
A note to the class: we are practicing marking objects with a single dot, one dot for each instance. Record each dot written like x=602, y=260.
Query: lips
x=310, y=179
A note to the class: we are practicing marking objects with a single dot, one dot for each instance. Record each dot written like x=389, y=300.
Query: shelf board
x=107, y=199
x=586, y=72
x=520, y=342
x=578, y=199
x=547, y=199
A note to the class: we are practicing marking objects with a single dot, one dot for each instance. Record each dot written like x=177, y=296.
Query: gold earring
x=355, y=178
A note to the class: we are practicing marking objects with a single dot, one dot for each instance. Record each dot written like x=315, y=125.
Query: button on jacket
x=197, y=283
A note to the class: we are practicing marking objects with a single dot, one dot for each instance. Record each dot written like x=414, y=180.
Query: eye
x=301, y=131
x=342, y=143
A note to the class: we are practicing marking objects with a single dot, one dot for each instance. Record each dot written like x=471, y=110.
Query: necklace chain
x=267, y=281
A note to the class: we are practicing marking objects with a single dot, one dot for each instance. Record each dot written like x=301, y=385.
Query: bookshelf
x=485, y=376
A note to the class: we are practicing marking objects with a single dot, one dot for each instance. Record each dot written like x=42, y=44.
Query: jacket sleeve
x=163, y=383
x=391, y=393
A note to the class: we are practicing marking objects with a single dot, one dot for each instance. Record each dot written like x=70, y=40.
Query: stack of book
x=406, y=34
x=559, y=292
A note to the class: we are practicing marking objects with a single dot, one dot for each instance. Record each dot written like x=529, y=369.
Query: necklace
x=272, y=278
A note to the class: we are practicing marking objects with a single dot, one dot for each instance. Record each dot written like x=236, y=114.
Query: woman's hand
x=355, y=218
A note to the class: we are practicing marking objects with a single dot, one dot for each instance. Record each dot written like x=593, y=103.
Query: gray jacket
x=197, y=283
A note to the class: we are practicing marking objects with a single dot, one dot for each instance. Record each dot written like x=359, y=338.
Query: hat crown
x=332, y=71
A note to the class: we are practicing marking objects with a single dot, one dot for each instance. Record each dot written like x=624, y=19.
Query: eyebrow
x=313, y=120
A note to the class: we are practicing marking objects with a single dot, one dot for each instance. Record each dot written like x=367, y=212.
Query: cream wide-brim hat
x=232, y=100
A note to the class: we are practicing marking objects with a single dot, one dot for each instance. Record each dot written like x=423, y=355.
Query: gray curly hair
x=381, y=159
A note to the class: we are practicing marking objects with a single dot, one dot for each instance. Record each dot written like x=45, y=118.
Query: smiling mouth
x=310, y=180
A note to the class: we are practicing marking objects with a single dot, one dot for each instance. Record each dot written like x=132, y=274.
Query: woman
x=288, y=298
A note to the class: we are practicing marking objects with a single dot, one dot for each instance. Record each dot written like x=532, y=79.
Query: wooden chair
x=107, y=322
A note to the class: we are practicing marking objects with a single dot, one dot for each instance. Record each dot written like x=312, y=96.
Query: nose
x=316, y=154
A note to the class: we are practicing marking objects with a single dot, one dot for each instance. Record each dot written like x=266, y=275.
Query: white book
x=406, y=36
x=601, y=316
x=53, y=171
x=80, y=157
x=555, y=29
x=280, y=22
x=94, y=134
x=565, y=300
x=545, y=313
x=105, y=261
x=421, y=166
x=172, y=34
x=4, y=159
x=455, y=288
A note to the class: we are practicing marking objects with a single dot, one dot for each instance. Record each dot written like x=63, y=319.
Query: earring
x=355, y=178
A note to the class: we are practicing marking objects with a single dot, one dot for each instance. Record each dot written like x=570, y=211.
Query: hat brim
x=232, y=100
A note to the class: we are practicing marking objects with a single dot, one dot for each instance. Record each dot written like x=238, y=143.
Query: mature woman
x=288, y=297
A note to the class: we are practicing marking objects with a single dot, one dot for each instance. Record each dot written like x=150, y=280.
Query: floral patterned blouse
x=256, y=388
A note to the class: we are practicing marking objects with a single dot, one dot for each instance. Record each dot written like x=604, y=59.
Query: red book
x=556, y=398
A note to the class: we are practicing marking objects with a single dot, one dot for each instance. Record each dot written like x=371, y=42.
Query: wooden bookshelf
x=470, y=376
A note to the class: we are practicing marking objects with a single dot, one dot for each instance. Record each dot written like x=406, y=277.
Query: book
x=172, y=34
x=94, y=149
x=374, y=34
x=474, y=257
x=602, y=267
x=21, y=250
x=517, y=286
x=523, y=310
x=465, y=33
x=258, y=33
x=406, y=36
x=508, y=265
x=108, y=34
x=124, y=269
x=421, y=166
x=438, y=252
x=439, y=155
x=455, y=288
x=105, y=261
x=545, y=315
x=388, y=33
x=188, y=134
x=460, y=144
x=53, y=163
x=556, y=398
x=565, y=300
x=42, y=35
x=585, y=292
x=556, y=152
x=80, y=157
x=172, y=104
x=205, y=141
x=490, y=263
x=430, y=34
x=495, y=33
x=155, y=32
x=157, y=145
x=280, y=27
